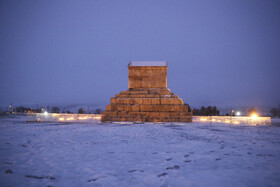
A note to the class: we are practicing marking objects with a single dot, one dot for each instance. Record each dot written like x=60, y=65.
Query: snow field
x=55, y=154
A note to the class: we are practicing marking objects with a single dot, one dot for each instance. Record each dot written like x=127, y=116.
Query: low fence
x=96, y=118
x=233, y=120
x=55, y=117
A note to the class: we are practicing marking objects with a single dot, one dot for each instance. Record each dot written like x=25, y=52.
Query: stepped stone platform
x=147, y=99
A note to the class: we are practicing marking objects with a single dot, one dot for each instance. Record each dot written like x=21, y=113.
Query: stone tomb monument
x=147, y=99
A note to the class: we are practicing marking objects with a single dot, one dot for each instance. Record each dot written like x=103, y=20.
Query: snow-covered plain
x=197, y=154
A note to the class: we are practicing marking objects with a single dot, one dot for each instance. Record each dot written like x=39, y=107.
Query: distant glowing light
x=70, y=119
x=213, y=119
x=238, y=113
x=46, y=113
x=254, y=116
x=227, y=121
x=54, y=114
x=82, y=117
x=61, y=119
x=236, y=122
x=202, y=119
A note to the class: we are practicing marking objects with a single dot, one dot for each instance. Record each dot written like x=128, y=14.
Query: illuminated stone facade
x=147, y=99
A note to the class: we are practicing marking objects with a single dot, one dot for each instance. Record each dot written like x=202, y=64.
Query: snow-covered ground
x=197, y=154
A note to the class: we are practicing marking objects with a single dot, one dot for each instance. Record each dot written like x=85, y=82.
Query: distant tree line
x=206, y=111
x=275, y=112
x=54, y=109
x=22, y=109
x=83, y=111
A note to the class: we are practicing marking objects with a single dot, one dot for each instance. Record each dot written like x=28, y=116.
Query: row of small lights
x=253, y=117
x=214, y=120
x=79, y=118
x=71, y=118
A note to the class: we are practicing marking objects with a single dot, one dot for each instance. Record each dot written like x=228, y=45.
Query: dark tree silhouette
x=22, y=109
x=81, y=111
x=274, y=112
x=55, y=109
x=98, y=111
x=206, y=111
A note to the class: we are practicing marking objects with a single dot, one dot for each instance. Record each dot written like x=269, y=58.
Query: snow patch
x=147, y=63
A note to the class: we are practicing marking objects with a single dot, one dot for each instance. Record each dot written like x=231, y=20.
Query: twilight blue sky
x=224, y=52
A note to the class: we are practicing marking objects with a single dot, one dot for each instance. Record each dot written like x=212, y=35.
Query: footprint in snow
x=187, y=155
x=168, y=159
x=134, y=170
x=95, y=179
x=162, y=174
x=263, y=155
x=218, y=159
x=174, y=167
x=9, y=163
x=38, y=177
x=9, y=171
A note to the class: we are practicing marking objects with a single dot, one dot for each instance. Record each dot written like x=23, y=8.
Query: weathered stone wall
x=147, y=76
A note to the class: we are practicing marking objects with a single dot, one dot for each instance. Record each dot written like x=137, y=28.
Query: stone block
x=113, y=100
x=111, y=113
x=108, y=108
x=122, y=114
x=147, y=77
x=151, y=101
x=137, y=101
x=171, y=101
x=138, y=92
x=152, y=96
x=121, y=95
x=125, y=92
x=134, y=108
x=123, y=101
x=137, y=96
